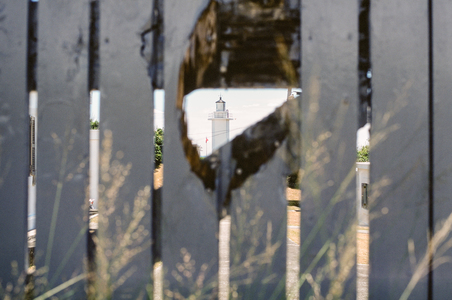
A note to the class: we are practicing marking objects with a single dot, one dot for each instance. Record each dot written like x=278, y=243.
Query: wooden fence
x=398, y=54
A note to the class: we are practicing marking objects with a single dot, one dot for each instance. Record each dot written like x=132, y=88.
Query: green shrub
x=94, y=124
x=158, y=144
x=362, y=154
x=293, y=181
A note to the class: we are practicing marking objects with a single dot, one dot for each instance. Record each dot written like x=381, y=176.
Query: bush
x=94, y=124
x=363, y=154
x=293, y=181
x=158, y=144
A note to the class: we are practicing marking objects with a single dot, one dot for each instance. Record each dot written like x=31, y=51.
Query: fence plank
x=442, y=67
x=399, y=148
x=63, y=139
x=126, y=125
x=329, y=123
x=190, y=221
x=13, y=139
x=259, y=233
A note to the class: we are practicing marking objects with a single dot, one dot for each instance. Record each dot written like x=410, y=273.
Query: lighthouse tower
x=220, y=124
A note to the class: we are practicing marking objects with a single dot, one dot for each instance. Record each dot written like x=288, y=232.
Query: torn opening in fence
x=219, y=56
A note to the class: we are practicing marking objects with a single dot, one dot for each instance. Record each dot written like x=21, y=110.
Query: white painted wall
x=94, y=166
x=33, y=111
x=362, y=136
x=362, y=176
x=220, y=133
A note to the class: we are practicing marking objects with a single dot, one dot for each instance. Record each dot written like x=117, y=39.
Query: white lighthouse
x=220, y=124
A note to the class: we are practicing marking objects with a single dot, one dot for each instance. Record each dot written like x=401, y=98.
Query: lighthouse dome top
x=220, y=105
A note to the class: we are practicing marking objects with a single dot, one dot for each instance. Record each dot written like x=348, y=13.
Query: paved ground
x=362, y=237
x=293, y=269
x=225, y=225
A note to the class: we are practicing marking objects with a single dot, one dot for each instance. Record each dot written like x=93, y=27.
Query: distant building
x=220, y=124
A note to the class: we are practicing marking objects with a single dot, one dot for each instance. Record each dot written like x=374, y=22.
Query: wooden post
x=329, y=123
x=14, y=137
x=63, y=141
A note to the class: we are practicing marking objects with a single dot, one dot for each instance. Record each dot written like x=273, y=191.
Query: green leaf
x=363, y=154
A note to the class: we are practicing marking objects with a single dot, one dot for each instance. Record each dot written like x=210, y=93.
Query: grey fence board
x=63, y=138
x=13, y=139
x=190, y=221
x=329, y=123
x=126, y=125
x=259, y=232
x=205, y=43
x=442, y=59
x=399, y=147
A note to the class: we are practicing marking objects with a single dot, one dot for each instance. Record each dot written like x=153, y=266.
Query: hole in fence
x=159, y=121
x=94, y=148
x=94, y=102
x=210, y=125
x=271, y=64
x=216, y=116
x=32, y=37
x=159, y=109
x=210, y=60
x=33, y=112
x=363, y=137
